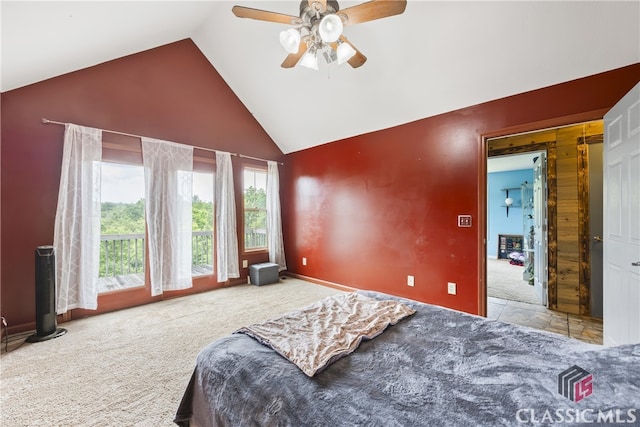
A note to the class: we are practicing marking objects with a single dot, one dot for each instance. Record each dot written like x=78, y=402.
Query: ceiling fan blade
x=319, y=5
x=292, y=59
x=356, y=60
x=374, y=9
x=263, y=15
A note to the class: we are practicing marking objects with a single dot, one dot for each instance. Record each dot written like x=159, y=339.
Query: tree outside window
x=255, y=209
x=202, y=217
x=122, y=227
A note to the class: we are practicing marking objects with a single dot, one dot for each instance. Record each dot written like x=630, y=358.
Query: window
x=122, y=227
x=122, y=237
x=202, y=213
x=255, y=209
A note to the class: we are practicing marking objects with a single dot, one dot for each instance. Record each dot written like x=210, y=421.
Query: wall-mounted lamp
x=509, y=202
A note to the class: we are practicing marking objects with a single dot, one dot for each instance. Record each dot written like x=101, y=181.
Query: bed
x=434, y=367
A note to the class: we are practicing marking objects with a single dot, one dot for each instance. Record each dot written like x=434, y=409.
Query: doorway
x=594, y=156
x=569, y=260
x=515, y=216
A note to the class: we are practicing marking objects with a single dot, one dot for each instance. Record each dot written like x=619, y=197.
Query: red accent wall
x=171, y=92
x=368, y=211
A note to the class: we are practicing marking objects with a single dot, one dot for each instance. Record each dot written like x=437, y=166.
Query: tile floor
x=539, y=317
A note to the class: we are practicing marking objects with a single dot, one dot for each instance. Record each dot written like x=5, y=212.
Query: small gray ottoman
x=264, y=273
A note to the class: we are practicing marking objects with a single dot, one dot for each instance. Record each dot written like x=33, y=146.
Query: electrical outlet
x=304, y=261
x=410, y=281
x=464, y=220
x=245, y=263
x=451, y=288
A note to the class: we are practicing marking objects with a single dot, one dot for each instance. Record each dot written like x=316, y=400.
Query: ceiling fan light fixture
x=319, y=27
x=290, y=40
x=330, y=28
x=345, y=52
x=310, y=60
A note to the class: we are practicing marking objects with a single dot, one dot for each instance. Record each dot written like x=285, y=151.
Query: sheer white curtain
x=274, y=219
x=226, y=230
x=168, y=176
x=76, y=238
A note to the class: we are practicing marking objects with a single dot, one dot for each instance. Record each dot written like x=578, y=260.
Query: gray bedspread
x=438, y=367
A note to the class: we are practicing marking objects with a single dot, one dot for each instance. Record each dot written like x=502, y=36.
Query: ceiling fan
x=318, y=29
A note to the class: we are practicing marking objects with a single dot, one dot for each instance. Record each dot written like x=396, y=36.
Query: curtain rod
x=47, y=121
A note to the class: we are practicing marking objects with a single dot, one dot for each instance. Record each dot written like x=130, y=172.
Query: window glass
x=122, y=227
x=255, y=209
x=202, y=213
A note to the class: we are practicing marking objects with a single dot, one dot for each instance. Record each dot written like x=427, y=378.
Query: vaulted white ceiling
x=434, y=58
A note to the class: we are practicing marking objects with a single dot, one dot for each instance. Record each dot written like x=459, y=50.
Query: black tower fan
x=45, y=296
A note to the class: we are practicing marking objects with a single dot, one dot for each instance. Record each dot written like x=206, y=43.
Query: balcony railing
x=202, y=253
x=122, y=259
x=121, y=254
x=255, y=238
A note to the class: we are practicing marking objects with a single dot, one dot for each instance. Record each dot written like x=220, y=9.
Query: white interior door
x=621, y=255
x=540, y=257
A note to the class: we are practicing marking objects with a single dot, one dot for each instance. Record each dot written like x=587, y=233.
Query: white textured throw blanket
x=315, y=336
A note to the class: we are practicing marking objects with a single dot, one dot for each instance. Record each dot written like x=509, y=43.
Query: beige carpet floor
x=130, y=368
x=505, y=281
